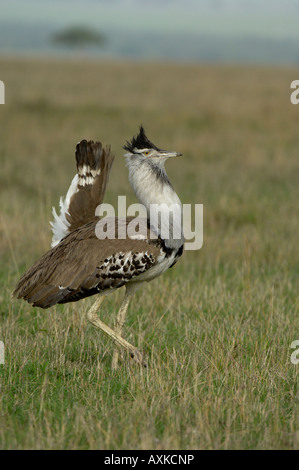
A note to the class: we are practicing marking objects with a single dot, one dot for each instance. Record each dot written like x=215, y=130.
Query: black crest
x=139, y=142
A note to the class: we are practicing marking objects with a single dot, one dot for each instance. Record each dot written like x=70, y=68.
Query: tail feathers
x=90, y=161
x=86, y=191
x=60, y=225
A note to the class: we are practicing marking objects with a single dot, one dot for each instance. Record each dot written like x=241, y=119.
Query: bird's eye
x=146, y=152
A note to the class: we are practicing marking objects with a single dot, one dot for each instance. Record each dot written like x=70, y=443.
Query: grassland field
x=217, y=328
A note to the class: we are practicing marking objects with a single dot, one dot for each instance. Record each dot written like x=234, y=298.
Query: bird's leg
x=120, y=321
x=96, y=322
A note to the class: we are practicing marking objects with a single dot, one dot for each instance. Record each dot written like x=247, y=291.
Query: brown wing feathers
x=82, y=265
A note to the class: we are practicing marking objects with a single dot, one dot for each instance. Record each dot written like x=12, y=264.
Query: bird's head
x=141, y=149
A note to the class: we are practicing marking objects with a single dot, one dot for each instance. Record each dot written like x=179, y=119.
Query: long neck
x=164, y=209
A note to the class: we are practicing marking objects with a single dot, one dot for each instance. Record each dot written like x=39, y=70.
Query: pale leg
x=97, y=323
x=121, y=317
x=120, y=321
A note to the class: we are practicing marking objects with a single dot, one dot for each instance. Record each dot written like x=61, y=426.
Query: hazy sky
x=260, y=18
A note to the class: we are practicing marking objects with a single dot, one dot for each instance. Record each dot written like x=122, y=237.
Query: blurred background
x=210, y=79
x=205, y=30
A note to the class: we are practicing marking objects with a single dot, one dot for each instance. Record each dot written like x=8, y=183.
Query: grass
x=218, y=327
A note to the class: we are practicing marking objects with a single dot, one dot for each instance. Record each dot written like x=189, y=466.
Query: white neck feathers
x=164, y=209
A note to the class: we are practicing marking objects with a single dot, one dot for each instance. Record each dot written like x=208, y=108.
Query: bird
x=81, y=264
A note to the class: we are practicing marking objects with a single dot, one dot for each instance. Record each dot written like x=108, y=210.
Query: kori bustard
x=81, y=263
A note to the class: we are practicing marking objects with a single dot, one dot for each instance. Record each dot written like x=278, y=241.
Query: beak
x=170, y=154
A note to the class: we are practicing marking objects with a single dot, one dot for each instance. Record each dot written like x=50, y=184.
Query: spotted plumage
x=95, y=267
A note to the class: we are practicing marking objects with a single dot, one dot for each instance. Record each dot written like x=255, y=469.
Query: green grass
x=217, y=328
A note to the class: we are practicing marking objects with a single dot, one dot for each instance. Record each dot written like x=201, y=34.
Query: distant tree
x=78, y=36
